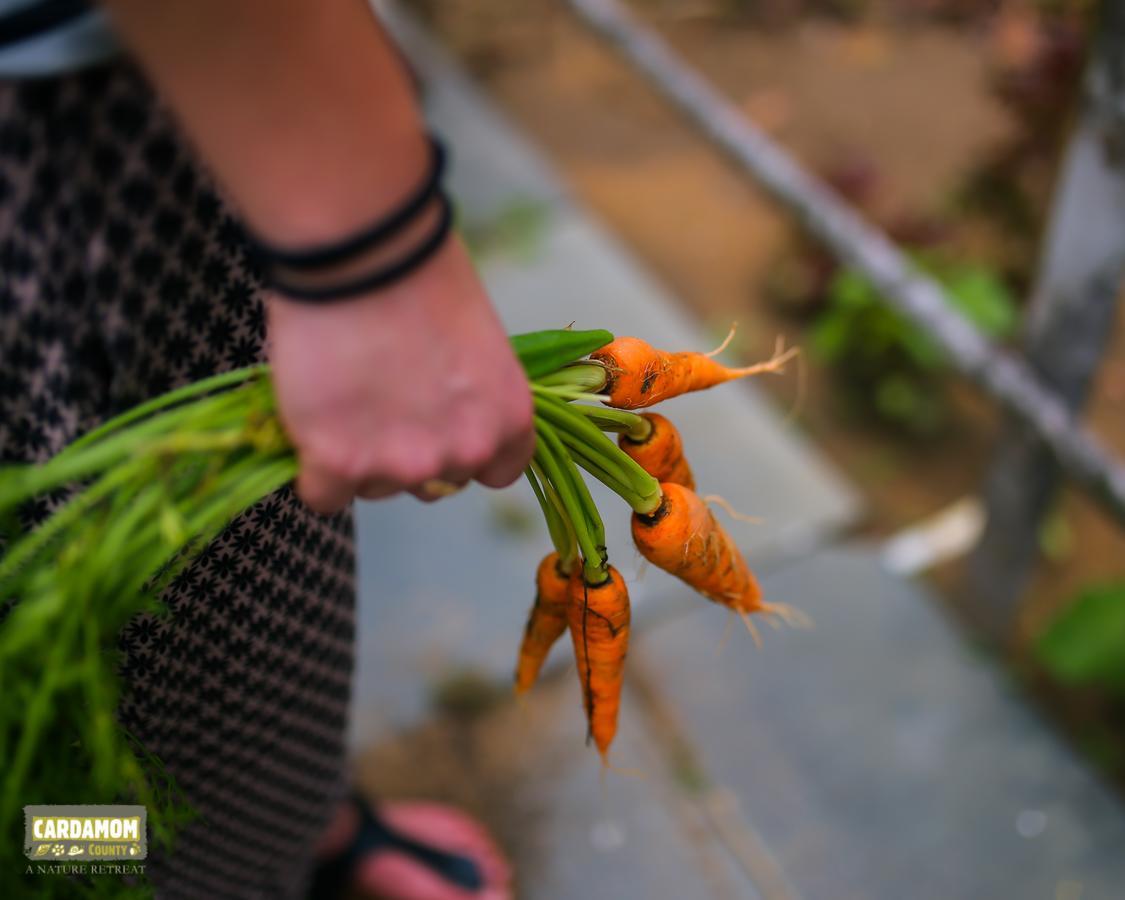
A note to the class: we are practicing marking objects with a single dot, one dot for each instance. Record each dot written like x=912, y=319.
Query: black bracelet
x=341, y=251
x=382, y=276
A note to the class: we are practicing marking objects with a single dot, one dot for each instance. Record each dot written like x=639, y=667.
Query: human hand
x=415, y=382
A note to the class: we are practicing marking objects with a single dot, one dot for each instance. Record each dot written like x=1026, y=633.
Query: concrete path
x=875, y=756
x=869, y=757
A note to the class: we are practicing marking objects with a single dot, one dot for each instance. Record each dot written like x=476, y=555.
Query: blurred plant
x=515, y=231
x=1035, y=52
x=467, y=693
x=888, y=367
x=513, y=518
x=1085, y=644
x=1056, y=537
x=799, y=279
x=785, y=12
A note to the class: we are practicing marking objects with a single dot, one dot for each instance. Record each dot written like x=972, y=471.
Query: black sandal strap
x=332, y=879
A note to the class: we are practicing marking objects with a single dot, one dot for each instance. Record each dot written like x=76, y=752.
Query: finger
x=323, y=491
x=509, y=463
x=378, y=489
x=437, y=489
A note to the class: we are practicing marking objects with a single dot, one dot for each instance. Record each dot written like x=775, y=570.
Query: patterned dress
x=122, y=275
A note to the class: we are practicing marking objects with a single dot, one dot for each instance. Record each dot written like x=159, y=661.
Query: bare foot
x=390, y=873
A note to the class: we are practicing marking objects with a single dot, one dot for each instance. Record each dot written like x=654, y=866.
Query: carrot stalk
x=543, y=352
x=169, y=430
x=589, y=377
x=557, y=465
x=562, y=535
x=609, y=462
x=617, y=420
x=644, y=487
x=581, y=492
x=553, y=498
x=584, y=459
x=167, y=401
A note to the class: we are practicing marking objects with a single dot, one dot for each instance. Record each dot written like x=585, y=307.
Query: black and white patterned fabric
x=123, y=275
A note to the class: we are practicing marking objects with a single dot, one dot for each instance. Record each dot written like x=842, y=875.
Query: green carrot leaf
x=543, y=352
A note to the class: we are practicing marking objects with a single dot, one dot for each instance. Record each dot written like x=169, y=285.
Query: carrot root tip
x=790, y=615
x=726, y=342
x=724, y=504
x=751, y=627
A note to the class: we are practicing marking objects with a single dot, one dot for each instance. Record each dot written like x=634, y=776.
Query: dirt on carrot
x=661, y=453
x=545, y=623
x=598, y=616
x=684, y=538
x=640, y=375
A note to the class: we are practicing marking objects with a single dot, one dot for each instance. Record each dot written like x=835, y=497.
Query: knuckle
x=408, y=464
x=473, y=450
x=319, y=495
x=334, y=457
x=520, y=417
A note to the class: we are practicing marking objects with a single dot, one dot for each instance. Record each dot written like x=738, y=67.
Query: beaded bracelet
x=382, y=276
x=279, y=264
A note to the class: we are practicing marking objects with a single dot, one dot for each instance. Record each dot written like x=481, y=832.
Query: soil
x=906, y=104
x=504, y=763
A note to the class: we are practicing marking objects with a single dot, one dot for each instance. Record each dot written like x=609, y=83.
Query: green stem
x=588, y=456
x=262, y=479
x=568, y=394
x=34, y=717
x=67, y=467
x=587, y=377
x=573, y=440
x=562, y=537
x=119, y=538
x=99, y=716
x=559, y=469
x=553, y=498
x=593, y=464
x=26, y=548
x=643, y=488
x=620, y=421
x=593, y=516
x=164, y=401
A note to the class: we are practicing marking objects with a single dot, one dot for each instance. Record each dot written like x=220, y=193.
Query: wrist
x=319, y=203
x=372, y=257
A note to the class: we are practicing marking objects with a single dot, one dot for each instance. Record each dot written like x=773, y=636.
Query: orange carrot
x=598, y=616
x=638, y=374
x=683, y=538
x=545, y=623
x=661, y=454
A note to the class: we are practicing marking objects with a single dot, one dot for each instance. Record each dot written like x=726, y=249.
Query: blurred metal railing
x=1009, y=379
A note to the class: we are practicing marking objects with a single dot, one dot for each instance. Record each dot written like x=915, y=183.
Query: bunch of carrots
x=143, y=493
x=673, y=528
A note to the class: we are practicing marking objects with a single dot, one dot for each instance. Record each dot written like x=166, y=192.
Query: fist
x=383, y=393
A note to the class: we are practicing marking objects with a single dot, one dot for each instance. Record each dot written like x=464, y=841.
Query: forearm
x=301, y=108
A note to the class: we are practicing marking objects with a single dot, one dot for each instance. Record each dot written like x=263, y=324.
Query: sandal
x=333, y=878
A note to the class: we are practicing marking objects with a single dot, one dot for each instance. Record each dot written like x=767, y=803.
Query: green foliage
x=516, y=231
x=143, y=494
x=145, y=489
x=1085, y=644
x=543, y=352
x=891, y=368
x=1056, y=537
